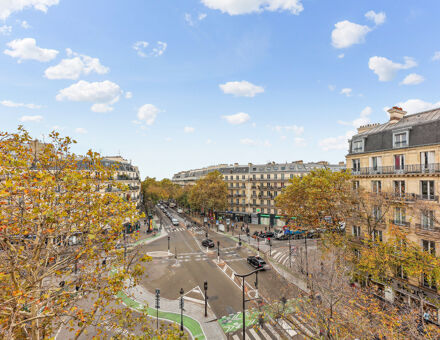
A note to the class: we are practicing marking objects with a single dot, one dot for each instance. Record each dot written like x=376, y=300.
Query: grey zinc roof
x=406, y=121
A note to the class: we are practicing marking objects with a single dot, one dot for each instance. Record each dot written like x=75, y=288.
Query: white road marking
x=235, y=337
x=264, y=333
x=275, y=333
x=254, y=334
x=287, y=328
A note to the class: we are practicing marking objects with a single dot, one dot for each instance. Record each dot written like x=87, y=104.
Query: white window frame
x=355, y=150
x=400, y=132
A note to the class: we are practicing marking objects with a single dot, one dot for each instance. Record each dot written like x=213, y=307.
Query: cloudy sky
x=173, y=85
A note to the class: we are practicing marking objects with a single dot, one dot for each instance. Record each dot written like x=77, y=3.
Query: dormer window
x=358, y=146
x=400, y=139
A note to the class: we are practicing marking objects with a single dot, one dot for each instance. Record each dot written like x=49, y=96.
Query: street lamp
x=258, y=244
x=168, y=244
x=243, y=276
x=181, y=309
x=218, y=251
x=205, y=286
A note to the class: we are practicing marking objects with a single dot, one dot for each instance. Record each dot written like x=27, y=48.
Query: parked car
x=175, y=221
x=180, y=211
x=256, y=262
x=267, y=234
x=208, y=243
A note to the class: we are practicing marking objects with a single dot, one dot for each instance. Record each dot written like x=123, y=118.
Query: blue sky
x=183, y=84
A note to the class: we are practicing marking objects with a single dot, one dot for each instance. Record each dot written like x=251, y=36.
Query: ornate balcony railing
x=391, y=170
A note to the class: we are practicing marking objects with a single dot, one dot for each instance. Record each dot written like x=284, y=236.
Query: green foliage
x=209, y=193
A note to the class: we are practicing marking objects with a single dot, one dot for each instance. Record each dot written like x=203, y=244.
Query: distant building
x=253, y=187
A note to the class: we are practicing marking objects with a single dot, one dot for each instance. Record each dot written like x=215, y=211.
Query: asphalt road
x=191, y=265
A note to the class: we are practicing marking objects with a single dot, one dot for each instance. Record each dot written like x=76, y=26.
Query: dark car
x=267, y=234
x=256, y=262
x=208, y=243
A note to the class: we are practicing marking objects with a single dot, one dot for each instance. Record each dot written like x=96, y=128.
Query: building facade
x=401, y=159
x=252, y=188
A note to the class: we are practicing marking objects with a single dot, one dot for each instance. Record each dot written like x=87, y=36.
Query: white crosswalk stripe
x=254, y=334
x=235, y=337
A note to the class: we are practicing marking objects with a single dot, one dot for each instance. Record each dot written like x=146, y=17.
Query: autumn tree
x=209, y=193
x=59, y=264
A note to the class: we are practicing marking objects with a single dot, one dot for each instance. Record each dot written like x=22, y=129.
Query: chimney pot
x=396, y=114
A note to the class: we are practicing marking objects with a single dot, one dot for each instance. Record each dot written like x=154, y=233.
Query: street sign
x=157, y=298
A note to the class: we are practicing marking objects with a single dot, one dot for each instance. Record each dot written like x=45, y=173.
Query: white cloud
x=363, y=119
x=236, y=7
x=128, y=95
x=342, y=55
x=348, y=33
x=141, y=48
x=27, y=49
x=377, y=18
x=209, y=141
x=248, y=141
x=241, y=88
x=297, y=130
x=347, y=91
x=188, y=129
x=417, y=105
x=76, y=67
x=254, y=125
x=299, y=141
x=31, y=119
x=336, y=143
x=386, y=69
x=25, y=24
x=238, y=118
x=194, y=21
x=413, y=79
x=7, y=7
x=147, y=114
x=436, y=56
x=5, y=30
x=81, y=131
x=331, y=87
x=105, y=92
x=9, y=103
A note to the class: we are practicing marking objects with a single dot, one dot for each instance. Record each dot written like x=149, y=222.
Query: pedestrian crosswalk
x=282, y=256
x=265, y=332
x=173, y=230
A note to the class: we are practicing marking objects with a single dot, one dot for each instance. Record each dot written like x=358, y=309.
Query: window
x=427, y=190
x=237, y=177
x=356, y=165
x=254, y=202
x=427, y=220
x=400, y=139
x=401, y=273
x=262, y=210
x=399, y=162
x=358, y=146
x=254, y=193
x=399, y=216
x=399, y=188
x=428, y=246
x=268, y=194
x=275, y=176
x=237, y=201
x=261, y=176
x=377, y=235
x=355, y=185
x=268, y=202
x=268, y=176
x=254, y=210
x=428, y=282
x=243, y=201
x=226, y=178
x=376, y=186
x=376, y=164
x=356, y=231
x=282, y=176
x=254, y=177
x=377, y=213
x=291, y=176
x=243, y=193
x=427, y=159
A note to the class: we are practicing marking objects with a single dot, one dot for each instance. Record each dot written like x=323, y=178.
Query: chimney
x=396, y=114
x=365, y=128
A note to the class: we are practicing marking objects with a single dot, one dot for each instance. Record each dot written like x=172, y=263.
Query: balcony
x=421, y=228
x=400, y=223
x=392, y=170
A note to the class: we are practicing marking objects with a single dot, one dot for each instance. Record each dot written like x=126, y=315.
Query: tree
x=209, y=193
x=58, y=235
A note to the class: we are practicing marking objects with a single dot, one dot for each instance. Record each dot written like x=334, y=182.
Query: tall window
x=268, y=176
x=377, y=235
x=376, y=186
x=399, y=216
x=377, y=213
x=355, y=185
x=356, y=231
x=399, y=162
x=427, y=219
x=226, y=178
x=261, y=176
x=399, y=188
x=427, y=190
x=275, y=176
x=358, y=146
x=356, y=165
x=376, y=163
x=400, y=140
x=427, y=160
x=254, y=176
x=428, y=246
x=282, y=176
x=400, y=272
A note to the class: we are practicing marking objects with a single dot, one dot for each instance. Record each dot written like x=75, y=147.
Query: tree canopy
x=209, y=193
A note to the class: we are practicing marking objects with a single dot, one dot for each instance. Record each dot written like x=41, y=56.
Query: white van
x=175, y=221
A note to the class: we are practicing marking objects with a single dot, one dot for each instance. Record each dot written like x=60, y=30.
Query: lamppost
x=205, y=286
x=218, y=251
x=243, y=276
x=307, y=260
x=157, y=307
x=258, y=245
x=181, y=309
x=270, y=247
x=168, y=245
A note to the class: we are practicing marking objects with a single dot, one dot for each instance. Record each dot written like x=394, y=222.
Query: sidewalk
x=194, y=321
